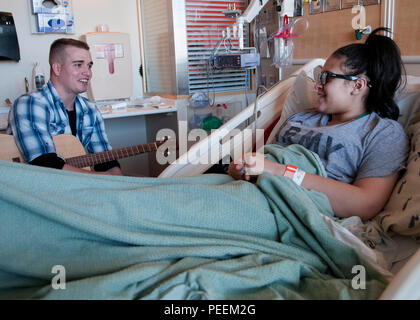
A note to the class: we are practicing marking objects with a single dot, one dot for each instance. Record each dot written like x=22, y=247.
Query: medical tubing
x=296, y=21
x=246, y=87
x=260, y=78
x=208, y=87
x=290, y=26
x=254, y=131
x=210, y=70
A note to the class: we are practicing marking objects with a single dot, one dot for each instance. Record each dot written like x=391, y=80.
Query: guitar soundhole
x=16, y=160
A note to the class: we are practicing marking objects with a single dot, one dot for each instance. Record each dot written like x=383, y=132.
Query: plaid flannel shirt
x=38, y=116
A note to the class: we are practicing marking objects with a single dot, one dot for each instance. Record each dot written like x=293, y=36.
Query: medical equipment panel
x=244, y=60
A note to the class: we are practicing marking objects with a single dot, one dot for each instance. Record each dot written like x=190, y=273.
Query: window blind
x=205, y=22
x=157, y=47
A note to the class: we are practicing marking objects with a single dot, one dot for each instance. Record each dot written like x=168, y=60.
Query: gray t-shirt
x=369, y=146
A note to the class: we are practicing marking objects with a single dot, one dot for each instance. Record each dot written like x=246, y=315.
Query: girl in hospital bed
x=353, y=130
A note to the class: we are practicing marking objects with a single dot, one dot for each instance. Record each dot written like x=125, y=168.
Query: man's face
x=76, y=72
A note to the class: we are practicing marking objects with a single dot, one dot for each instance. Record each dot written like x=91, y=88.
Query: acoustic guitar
x=71, y=149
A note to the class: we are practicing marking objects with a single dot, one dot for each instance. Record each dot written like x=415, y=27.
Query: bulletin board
x=330, y=30
x=407, y=27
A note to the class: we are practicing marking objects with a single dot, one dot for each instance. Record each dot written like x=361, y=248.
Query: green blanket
x=207, y=237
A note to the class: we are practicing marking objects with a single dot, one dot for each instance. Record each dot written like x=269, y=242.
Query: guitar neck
x=106, y=156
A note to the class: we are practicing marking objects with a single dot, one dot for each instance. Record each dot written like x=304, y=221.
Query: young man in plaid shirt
x=58, y=108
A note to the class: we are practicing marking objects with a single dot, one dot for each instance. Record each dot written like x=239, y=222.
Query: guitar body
x=8, y=149
x=66, y=146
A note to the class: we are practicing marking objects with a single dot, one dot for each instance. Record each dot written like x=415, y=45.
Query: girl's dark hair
x=379, y=58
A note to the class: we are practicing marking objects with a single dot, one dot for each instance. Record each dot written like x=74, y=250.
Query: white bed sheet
x=407, y=247
x=388, y=256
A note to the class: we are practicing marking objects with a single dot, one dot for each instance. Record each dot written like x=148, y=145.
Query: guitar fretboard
x=106, y=156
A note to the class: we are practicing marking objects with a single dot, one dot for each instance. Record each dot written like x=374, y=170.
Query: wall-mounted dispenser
x=52, y=16
x=9, y=46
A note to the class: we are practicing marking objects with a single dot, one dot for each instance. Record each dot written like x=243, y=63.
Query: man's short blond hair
x=58, y=48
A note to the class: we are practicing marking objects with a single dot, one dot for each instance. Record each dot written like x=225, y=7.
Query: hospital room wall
x=331, y=30
x=35, y=47
x=407, y=33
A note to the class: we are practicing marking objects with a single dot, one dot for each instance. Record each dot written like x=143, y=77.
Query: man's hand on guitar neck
x=115, y=171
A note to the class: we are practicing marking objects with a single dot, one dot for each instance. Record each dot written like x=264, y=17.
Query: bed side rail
x=221, y=143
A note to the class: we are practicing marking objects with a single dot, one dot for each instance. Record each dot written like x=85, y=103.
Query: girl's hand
x=249, y=166
x=235, y=171
x=252, y=165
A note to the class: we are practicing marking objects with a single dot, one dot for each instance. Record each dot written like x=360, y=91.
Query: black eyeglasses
x=323, y=77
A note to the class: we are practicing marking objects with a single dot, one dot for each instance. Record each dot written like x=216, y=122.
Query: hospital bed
x=189, y=235
x=270, y=110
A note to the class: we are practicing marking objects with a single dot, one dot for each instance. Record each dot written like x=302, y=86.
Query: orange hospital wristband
x=293, y=172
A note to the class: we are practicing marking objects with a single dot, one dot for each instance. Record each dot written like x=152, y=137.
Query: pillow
x=401, y=214
x=302, y=97
x=406, y=99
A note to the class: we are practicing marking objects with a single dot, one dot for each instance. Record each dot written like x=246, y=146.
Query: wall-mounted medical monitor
x=9, y=46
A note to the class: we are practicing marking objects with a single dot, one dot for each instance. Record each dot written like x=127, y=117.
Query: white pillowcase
x=303, y=97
